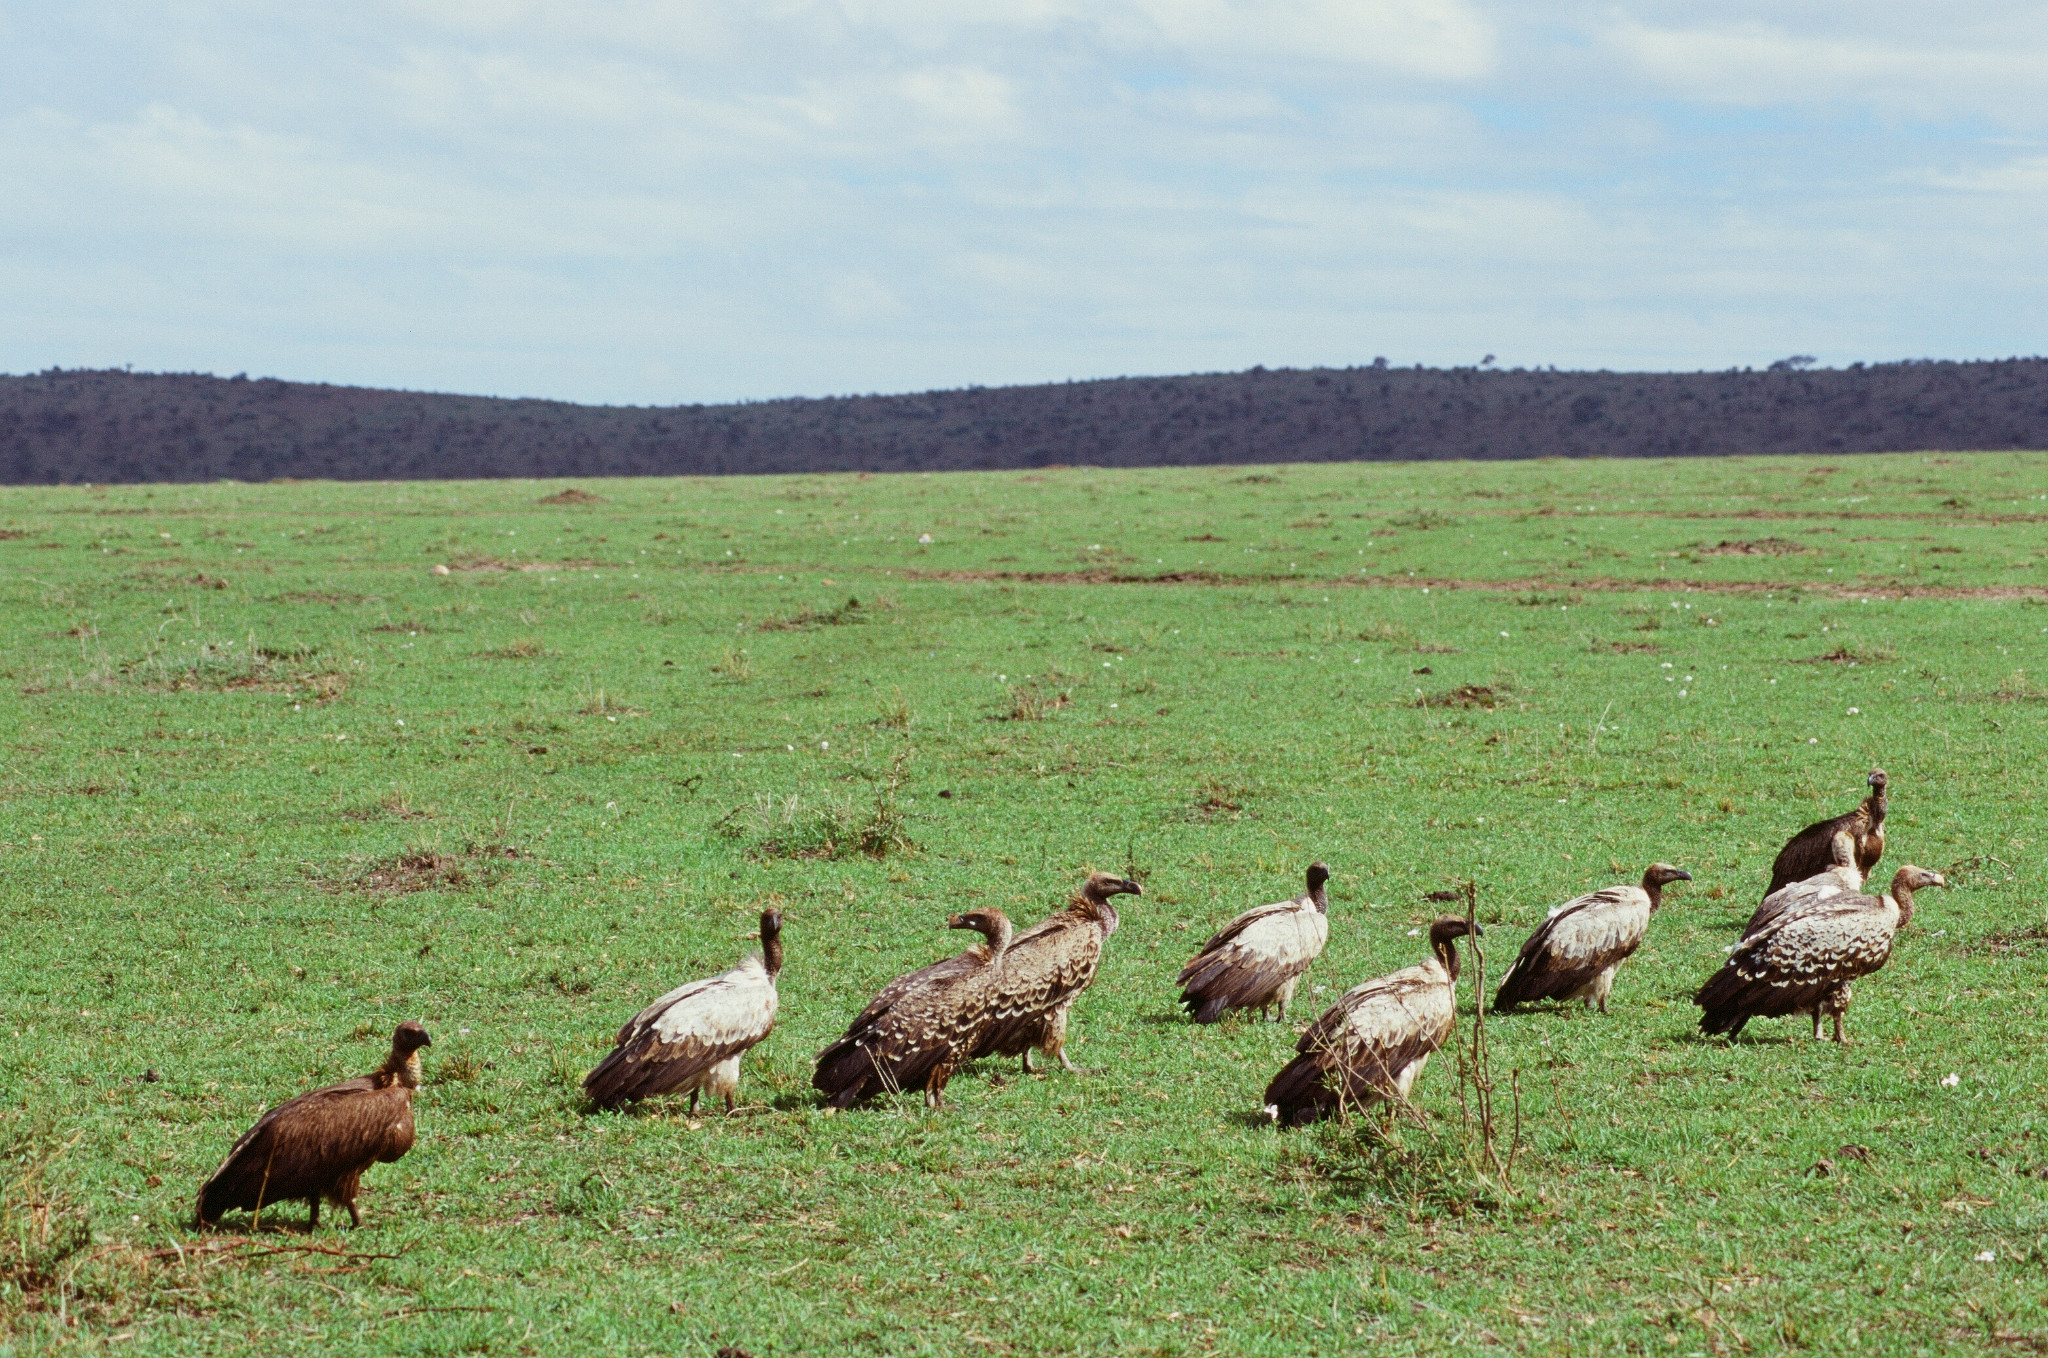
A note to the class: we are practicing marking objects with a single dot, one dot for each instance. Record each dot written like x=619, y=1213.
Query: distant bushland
x=116, y=426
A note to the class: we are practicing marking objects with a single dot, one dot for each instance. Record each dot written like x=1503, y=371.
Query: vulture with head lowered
x=1574, y=953
x=922, y=1026
x=1802, y=962
x=1045, y=970
x=318, y=1145
x=691, y=1039
x=1854, y=839
x=1370, y=1045
x=1257, y=960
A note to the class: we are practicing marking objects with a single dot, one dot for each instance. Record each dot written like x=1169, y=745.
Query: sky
x=657, y=203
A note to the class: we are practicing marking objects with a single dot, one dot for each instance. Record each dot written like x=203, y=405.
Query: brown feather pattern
x=1046, y=969
x=1256, y=960
x=315, y=1147
x=1816, y=849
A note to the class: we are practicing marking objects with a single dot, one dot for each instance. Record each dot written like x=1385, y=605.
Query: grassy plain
x=271, y=783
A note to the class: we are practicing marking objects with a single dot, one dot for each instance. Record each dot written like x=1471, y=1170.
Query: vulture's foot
x=1029, y=1069
x=1067, y=1063
x=693, y=1101
x=355, y=1218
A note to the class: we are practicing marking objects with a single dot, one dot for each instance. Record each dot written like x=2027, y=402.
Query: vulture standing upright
x=1855, y=838
x=1044, y=972
x=1370, y=1045
x=922, y=1026
x=1574, y=953
x=1802, y=962
x=1256, y=960
x=318, y=1145
x=693, y=1037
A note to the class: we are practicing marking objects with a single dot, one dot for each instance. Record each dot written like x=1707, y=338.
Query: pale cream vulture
x=1574, y=953
x=1257, y=960
x=691, y=1039
x=1370, y=1045
x=1803, y=961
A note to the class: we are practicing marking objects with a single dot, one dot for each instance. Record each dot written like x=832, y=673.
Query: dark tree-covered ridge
x=115, y=426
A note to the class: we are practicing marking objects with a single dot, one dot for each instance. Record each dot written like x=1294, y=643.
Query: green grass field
x=273, y=783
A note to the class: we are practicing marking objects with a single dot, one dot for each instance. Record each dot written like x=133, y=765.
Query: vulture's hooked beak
x=1683, y=876
x=1131, y=888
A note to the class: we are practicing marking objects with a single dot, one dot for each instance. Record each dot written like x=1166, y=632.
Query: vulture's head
x=991, y=924
x=771, y=926
x=1913, y=878
x=410, y=1037
x=1318, y=873
x=1878, y=780
x=1663, y=874
x=1451, y=927
x=1102, y=885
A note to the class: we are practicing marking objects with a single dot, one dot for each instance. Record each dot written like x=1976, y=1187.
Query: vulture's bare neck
x=1319, y=895
x=1098, y=908
x=1446, y=950
x=1902, y=892
x=401, y=1067
x=771, y=956
x=1873, y=807
x=1654, y=889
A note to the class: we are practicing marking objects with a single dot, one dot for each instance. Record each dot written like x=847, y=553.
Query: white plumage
x=1575, y=952
x=1841, y=880
x=1257, y=960
x=691, y=1039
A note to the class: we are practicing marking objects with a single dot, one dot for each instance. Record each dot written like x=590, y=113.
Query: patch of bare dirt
x=1627, y=647
x=1467, y=696
x=425, y=869
x=1842, y=655
x=846, y=614
x=495, y=563
x=1756, y=547
x=321, y=596
x=572, y=495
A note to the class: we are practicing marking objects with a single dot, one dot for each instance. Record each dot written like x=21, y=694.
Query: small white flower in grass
x=1413, y=932
x=1503, y=633
x=824, y=744
x=1813, y=740
x=1855, y=711
x=1667, y=664
x=1987, y=1256
x=924, y=537
x=1112, y=704
x=401, y=721
x=737, y=755
x=790, y=748
x=1105, y=664
x=1951, y=1080
x=611, y=718
x=463, y=1031
x=611, y=806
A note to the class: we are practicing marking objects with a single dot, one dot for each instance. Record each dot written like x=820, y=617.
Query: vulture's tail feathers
x=1206, y=1008
x=1300, y=1093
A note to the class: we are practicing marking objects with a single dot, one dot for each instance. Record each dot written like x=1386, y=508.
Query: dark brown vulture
x=919, y=1030
x=691, y=1039
x=318, y=1145
x=1370, y=1045
x=1046, y=969
x=1256, y=960
x=1856, y=838
x=1803, y=961
x=1574, y=953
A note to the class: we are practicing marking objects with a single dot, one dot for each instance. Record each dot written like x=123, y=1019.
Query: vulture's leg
x=313, y=1214
x=1838, y=1026
x=1067, y=1063
x=1816, y=1021
x=730, y=1103
x=1029, y=1069
x=693, y=1101
x=355, y=1218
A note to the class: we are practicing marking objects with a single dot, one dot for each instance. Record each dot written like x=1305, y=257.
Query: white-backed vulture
x=1815, y=849
x=1256, y=960
x=1046, y=969
x=922, y=1026
x=1370, y=1045
x=692, y=1038
x=1840, y=880
x=1803, y=961
x=1574, y=953
x=318, y=1145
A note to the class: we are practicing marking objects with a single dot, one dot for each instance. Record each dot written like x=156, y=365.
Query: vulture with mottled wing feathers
x=1803, y=961
x=1855, y=838
x=922, y=1026
x=692, y=1038
x=1370, y=1045
x=318, y=1145
x=1574, y=953
x=1257, y=960
x=1841, y=880
x=1046, y=969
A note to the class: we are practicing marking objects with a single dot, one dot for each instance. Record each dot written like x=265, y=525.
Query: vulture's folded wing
x=1579, y=940
x=676, y=1040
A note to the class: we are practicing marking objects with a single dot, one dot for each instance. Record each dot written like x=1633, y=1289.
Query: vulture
x=1802, y=961
x=1256, y=960
x=1841, y=880
x=919, y=1030
x=1855, y=839
x=1573, y=955
x=1045, y=970
x=692, y=1038
x=1370, y=1045
x=318, y=1145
